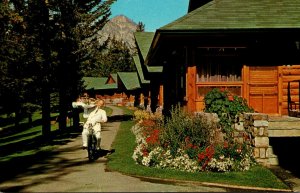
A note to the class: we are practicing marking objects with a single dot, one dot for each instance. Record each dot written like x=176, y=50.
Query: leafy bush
x=226, y=106
x=186, y=131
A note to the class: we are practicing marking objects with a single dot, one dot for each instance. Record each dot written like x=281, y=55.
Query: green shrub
x=226, y=106
x=186, y=131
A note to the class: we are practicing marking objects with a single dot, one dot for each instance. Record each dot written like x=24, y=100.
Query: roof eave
x=288, y=32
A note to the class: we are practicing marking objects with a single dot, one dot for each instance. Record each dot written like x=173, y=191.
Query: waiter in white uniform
x=95, y=118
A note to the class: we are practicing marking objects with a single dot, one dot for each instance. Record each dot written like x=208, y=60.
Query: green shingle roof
x=154, y=69
x=240, y=14
x=144, y=40
x=130, y=80
x=98, y=83
x=138, y=65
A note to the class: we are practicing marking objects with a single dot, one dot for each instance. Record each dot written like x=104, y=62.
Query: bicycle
x=92, y=144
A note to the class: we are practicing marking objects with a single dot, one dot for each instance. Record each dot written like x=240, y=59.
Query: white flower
x=146, y=161
x=220, y=165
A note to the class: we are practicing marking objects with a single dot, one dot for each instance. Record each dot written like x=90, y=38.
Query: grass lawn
x=24, y=141
x=122, y=161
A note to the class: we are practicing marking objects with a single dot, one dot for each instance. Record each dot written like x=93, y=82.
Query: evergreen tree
x=140, y=27
x=78, y=21
x=43, y=46
x=39, y=53
x=16, y=75
x=115, y=58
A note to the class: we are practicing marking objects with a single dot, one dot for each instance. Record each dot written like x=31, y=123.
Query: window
x=203, y=90
x=218, y=65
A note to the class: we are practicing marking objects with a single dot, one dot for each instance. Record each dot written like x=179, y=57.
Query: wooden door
x=263, y=89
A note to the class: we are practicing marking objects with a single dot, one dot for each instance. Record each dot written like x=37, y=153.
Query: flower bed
x=190, y=142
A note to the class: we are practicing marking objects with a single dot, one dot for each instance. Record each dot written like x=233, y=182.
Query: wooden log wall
x=290, y=73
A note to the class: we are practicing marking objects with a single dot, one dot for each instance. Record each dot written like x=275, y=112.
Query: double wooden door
x=263, y=89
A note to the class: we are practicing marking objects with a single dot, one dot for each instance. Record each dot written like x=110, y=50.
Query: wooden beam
x=280, y=85
x=245, y=78
x=191, y=80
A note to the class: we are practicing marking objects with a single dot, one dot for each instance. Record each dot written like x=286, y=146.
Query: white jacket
x=87, y=108
x=95, y=118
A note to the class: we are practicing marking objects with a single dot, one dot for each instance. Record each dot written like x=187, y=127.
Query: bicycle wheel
x=90, y=148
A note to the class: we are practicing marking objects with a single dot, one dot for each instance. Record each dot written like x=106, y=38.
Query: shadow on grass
x=20, y=163
x=11, y=130
x=16, y=137
x=37, y=141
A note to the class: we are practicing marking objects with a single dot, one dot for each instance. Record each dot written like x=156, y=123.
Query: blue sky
x=153, y=13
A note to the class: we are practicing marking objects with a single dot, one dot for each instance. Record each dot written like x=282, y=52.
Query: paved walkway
x=68, y=170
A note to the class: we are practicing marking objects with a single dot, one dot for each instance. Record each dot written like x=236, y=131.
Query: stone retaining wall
x=252, y=128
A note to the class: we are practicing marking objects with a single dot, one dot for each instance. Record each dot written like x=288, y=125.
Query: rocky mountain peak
x=122, y=19
x=121, y=28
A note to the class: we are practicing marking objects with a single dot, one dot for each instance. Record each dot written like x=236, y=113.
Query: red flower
x=201, y=156
x=145, y=153
x=205, y=156
x=153, y=137
x=189, y=145
x=230, y=98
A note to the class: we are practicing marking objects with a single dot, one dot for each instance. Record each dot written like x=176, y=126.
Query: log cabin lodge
x=251, y=48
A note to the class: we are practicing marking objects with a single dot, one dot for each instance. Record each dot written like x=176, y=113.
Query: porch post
x=280, y=88
x=154, y=94
x=191, y=79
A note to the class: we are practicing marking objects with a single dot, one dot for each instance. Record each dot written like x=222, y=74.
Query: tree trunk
x=46, y=118
x=45, y=47
x=62, y=108
x=76, y=118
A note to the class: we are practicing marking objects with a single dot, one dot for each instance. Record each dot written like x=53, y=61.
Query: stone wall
x=252, y=128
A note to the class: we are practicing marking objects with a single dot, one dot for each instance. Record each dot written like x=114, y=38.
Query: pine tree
x=78, y=22
x=44, y=44
x=39, y=53
x=16, y=75
x=140, y=27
